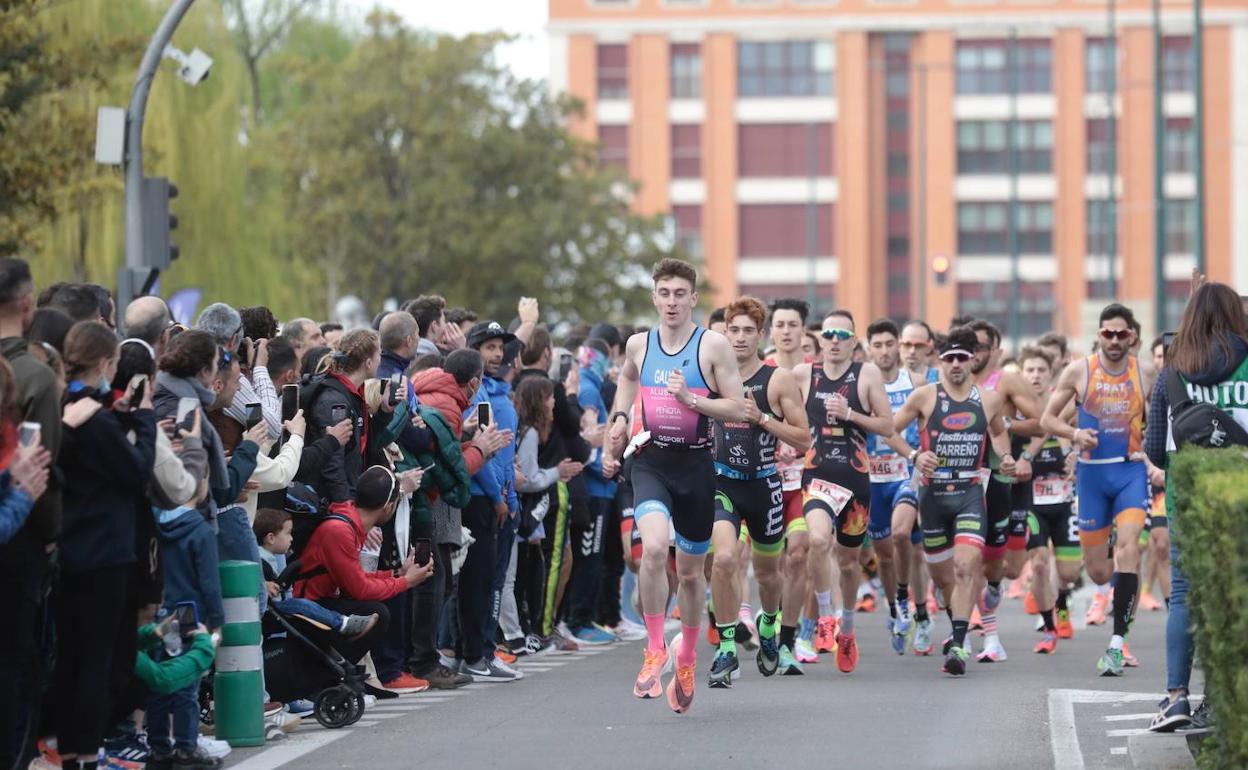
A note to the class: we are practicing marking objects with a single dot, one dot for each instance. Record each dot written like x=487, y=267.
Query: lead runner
x=673, y=472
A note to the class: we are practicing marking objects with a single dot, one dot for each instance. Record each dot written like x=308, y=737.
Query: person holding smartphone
x=26, y=478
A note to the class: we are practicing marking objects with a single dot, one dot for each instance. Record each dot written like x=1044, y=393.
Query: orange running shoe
x=676, y=612
x=1148, y=603
x=649, y=684
x=1029, y=604
x=1098, y=609
x=1047, y=645
x=712, y=635
x=865, y=604
x=846, y=653
x=1129, y=660
x=680, y=689
x=1016, y=590
x=825, y=634
x=505, y=657
x=1065, y=629
x=406, y=684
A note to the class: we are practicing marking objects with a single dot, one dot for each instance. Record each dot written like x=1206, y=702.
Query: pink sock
x=654, y=632
x=688, y=652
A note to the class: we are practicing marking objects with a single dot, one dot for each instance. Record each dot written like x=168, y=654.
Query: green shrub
x=1208, y=495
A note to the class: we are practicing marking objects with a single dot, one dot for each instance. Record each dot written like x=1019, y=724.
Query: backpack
x=307, y=511
x=1199, y=424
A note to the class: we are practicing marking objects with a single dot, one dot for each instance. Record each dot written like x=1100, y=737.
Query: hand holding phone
x=396, y=384
x=29, y=435
x=255, y=415
x=485, y=414
x=424, y=551
x=290, y=402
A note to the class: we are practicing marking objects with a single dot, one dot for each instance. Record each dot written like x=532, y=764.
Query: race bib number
x=889, y=468
x=791, y=478
x=1052, y=491
x=835, y=495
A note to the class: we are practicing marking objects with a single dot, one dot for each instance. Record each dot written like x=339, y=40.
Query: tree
x=417, y=165
x=258, y=26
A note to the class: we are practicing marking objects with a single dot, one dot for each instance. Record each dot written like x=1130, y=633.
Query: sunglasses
x=956, y=357
x=1111, y=334
x=841, y=335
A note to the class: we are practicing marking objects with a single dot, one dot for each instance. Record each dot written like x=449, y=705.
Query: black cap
x=607, y=333
x=960, y=340
x=488, y=330
x=511, y=351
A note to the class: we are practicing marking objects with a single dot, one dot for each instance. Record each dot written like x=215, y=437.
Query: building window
x=782, y=150
x=687, y=151
x=992, y=302
x=1098, y=146
x=779, y=230
x=1177, y=73
x=983, y=228
x=785, y=68
x=686, y=71
x=1180, y=226
x=613, y=71
x=1100, y=227
x=613, y=147
x=983, y=66
x=689, y=229
x=1099, y=60
x=1180, y=144
x=983, y=149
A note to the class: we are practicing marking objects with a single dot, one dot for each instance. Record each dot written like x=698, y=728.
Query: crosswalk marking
x=1127, y=717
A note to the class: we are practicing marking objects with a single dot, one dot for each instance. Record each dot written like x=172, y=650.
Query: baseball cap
x=511, y=351
x=488, y=330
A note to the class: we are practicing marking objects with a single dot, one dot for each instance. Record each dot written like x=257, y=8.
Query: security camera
x=194, y=67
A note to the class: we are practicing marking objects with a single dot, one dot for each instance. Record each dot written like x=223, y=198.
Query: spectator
x=428, y=312
x=254, y=386
x=24, y=572
x=282, y=364
x=332, y=332
x=106, y=479
x=462, y=318
x=148, y=319
x=49, y=325
x=315, y=361
x=26, y=476
x=303, y=335
x=83, y=302
x=258, y=323
x=334, y=549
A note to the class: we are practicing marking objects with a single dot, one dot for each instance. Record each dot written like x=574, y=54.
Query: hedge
x=1208, y=495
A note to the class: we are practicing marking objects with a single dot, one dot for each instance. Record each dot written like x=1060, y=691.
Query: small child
x=274, y=534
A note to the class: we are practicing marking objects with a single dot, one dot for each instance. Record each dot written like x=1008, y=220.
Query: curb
x=1160, y=751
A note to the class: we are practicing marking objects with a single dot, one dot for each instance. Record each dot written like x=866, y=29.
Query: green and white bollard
x=238, y=689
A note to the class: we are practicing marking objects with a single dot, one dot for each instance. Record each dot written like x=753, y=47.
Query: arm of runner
x=792, y=428
x=1027, y=404
x=1067, y=389
x=880, y=421
x=998, y=434
x=731, y=402
x=625, y=394
x=910, y=411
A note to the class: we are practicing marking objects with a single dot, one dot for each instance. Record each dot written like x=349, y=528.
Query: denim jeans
x=310, y=610
x=237, y=540
x=182, y=707
x=1180, y=644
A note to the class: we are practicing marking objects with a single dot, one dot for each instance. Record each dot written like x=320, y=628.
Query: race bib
x=1052, y=491
x=835, y=495
x=791, y=477
x=889, y=468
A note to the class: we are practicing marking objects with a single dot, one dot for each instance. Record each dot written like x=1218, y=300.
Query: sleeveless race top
x=671, y=424
x=957, y=431
x=1049, y=485
x=744, y=450
x=1113, y=406
x=887, y=465
x=834, y=442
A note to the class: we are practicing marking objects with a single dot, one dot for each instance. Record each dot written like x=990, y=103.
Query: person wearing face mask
x=106, y=475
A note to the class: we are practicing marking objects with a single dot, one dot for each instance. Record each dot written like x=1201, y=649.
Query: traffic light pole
x=134, y=147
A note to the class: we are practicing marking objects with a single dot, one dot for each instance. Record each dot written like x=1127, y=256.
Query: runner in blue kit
x=685, y=376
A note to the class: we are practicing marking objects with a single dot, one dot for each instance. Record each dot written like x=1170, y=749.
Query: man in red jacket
x=331, y=560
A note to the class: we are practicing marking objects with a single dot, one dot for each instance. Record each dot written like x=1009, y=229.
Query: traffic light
x=940, y=269
x=158, y=223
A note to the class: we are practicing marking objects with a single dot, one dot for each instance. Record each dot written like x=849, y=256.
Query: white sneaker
x=629, y=631
x=506, y=669
x=213, y=747
x=993, y=652
x=369, y=701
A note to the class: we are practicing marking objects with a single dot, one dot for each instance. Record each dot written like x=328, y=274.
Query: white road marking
x=280, y=754
x=1063, y=734
x=1127, y=717
x=1118, y=750
x=1126, y=733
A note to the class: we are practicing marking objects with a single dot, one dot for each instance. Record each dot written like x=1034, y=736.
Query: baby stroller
x=300, y=662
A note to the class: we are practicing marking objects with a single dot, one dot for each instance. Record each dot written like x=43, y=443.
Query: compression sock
x=727, y=638
x=788, y=636
x=903, y=593
x=1063, y=595
x=654, y=632
x=1049, y=624
x=767, y=624
x=920, y=612
x=808, y=629
x=847, y=622
x=687, y=653
x=990, y=624
x=959, y=632
x=824, y=599
x=892, y=608
x=1124, y=601
x=746, y=610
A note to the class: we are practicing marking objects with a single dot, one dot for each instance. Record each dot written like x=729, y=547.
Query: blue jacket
x=590, y=397
x=15, y=505
x=497, y=478
x=189, y=553
x=412, y=439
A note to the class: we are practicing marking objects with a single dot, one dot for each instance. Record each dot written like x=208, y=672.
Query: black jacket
x=335, y=479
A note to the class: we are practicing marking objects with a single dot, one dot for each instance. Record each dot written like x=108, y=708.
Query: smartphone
x=255, y=415
x=187, y=615
x=137, y=387
x=396, y=380
x=186, y=408
x=290, y=402
x=424, y=551
x=337, y=414
x=565, y=366
x=28, y=434
x=485, y=414
x=427, y=468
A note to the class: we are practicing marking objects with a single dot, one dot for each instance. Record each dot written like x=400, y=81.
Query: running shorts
x=1110, y=494
x=832, y=486
x=757, y=502
x=951, y=514
x=794, y=518
x=885, y=497
x=680, y=484
x=999, y=502
x=1056, y=524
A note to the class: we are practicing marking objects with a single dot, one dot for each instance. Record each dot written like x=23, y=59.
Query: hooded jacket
x=319, y=395
x=437, y=389
x=165, y=401
x=191, y=564
x=38, y=398
x=496, y=479
x=1157, y=431
x=411, y=439
x=176, y=477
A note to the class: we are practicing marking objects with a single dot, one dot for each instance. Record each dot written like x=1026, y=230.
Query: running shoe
x=1171, y=715
x=825, y=634
x=788, y=665
x=195, y=760
x=804, y=651
x=993, y=652
x=712, y=634
x=486, y=671
x=865, y=604
x=535, y=645
x=955, y=661
x=649, y=684
x=505, y=656
x=564, y=643
x=898, y=641
x=745, y=637
x=680, y=689
x=768, y=657
x=128, y=748
x=903, y=621
x=213, y=747
x=403, y=684
x=1065, y=629
x=1047, y=644
x=748, y=621
x=1129, y=660
x=1016, y=589
x=1202, y=718
x=1110, y=664
x=1098, y=610
x=593, y=637
x=506, y=668
x=846, y=653
x=1147, y=603
x=300, y=708
x=923, y=637
x=1029, y=604
x=629, y=631
x=722, y=670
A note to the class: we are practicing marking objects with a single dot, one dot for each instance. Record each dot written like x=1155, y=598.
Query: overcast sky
x=528, y=56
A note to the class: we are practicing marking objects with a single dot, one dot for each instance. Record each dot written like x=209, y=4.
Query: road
x=576, y=709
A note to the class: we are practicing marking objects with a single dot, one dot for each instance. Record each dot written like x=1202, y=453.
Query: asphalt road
x=577, y=709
